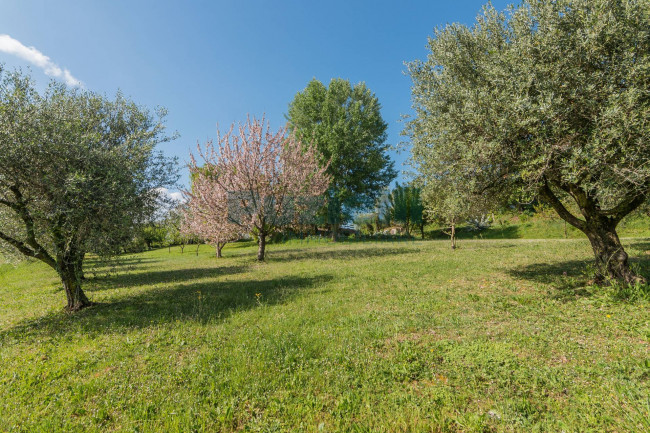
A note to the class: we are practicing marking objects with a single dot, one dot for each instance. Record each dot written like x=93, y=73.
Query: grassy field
x=499, y=335
x=546, y=226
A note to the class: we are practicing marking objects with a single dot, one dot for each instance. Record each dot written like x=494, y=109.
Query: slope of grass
x=499, y=335
x=545, y=226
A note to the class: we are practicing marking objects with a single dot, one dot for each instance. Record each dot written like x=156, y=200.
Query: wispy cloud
x=10, y=45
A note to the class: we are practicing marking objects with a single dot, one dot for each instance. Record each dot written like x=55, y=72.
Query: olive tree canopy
x=551, y=98
x=78, y=173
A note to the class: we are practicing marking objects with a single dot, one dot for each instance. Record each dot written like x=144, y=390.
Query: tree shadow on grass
x=572, y=279
x=194, y=302
x=569, y=278
x=117, y=261
x=286, y=255
x=151, y=278
x=641, y=246
x=96, y=268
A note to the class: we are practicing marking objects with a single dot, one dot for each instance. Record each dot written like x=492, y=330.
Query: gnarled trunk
x=600, y=228
x=71, y=279
x=261, y=246
x=611, y=258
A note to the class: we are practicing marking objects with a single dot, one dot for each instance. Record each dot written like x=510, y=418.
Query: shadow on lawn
x=150, y=278
x=571, y=278
x=642, y=246
x=193, y=302
x=118, y=261
x=285, y=255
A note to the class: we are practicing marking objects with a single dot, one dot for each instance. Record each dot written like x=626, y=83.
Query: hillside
x=499, y=335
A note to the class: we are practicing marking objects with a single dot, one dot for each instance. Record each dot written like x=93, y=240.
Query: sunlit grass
x=499, y=335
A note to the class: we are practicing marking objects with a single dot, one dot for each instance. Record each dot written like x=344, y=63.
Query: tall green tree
x=345, y=124
x=78, y=173
x=551, y=98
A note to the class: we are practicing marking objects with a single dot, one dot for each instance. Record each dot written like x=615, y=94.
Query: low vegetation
x=388, y=336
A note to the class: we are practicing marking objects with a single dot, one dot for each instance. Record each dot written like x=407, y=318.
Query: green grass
x=499, y=335
x=545, y=226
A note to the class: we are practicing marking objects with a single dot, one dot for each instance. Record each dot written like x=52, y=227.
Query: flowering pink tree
x=258, y=181
x=203, y=218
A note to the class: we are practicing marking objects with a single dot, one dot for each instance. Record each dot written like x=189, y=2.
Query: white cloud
x=10, y=45
x=177, y=196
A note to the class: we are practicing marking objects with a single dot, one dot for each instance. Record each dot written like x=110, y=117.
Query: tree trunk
x=182, y=248
x=335, y=232
x=422, y=229
x=219, y=247
x=611, y=258
x=600, y=228
x=453, y=236
x=71, y=280
x=261, y=246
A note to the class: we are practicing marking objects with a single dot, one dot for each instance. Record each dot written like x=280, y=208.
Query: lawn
x=499, y=335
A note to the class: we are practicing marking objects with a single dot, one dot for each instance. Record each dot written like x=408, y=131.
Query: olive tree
x=550, y=98
x=449, y=201
x=78, y=174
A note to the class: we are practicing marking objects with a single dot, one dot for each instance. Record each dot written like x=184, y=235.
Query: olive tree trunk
x=453, y=236
x=611, y=258
x=451, y=233
x=600, y=228
x=71, y=276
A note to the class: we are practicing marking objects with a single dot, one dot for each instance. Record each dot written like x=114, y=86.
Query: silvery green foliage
x=78, y=172
x=551, y=95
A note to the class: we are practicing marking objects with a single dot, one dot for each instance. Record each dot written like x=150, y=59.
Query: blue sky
x=212, y=62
